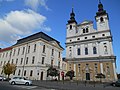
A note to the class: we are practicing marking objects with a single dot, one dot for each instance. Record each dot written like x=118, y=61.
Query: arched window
x=94, y=50
x=70, y=26
x=101, y=19
x=86, y=51
x=87, y=30
x=105, y=50
x=83, y=30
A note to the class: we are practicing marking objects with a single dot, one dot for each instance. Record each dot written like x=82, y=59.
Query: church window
x=105, y=50
x=78, y=51
x=70, y=26
x=101, y=19
x=85, y=37
x=103, y=34
x=87, y=30
x=86, y=51
x=83, y=30
x=93, y=36
x=78, y=39
x=94, y=50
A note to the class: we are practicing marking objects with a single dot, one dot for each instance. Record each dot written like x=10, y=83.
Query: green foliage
x=9, y=69
x=52, y=72
x=70, y=74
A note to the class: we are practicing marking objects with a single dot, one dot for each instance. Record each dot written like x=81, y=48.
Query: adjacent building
x=33, y=56
x=89, y=51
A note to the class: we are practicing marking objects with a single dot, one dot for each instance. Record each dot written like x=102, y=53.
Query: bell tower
x=71, y=25
x=102, y=18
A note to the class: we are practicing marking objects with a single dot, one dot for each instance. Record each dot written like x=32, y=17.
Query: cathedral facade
x=89, y=52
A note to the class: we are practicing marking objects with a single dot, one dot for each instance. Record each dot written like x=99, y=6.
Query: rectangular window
x=78, y=69
x=51, y=62
x=43, y=60
x=33, y=59
x=78, y=51
x=29, y=49
x=21, y=60
x=4, y=62
x=19, y=72
x=14, y=52
x=52, y=52
x=12, y=61
x=59, y=55
x=25, y=73
x=31, y=72
x=86, y=51
x=96, y=68
x=3, y=55
x=23, y=50
x=1, y=63
x=6, y=54
x=59, y=64
x=43, y=48
x=34, y=47
x=27, y=60
x=94, y=50
x=0, y=55
x=16, y=61
x=18, y=51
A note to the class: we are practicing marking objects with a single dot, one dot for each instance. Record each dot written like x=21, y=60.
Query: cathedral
x=89, y=51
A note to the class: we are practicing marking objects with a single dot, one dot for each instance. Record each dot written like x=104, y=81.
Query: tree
x=52, y=72
x=118, y=75
x=100, y=76
x=70, y=74
x=9, y=69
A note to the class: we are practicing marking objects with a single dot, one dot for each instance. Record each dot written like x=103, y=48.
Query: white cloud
x=34, y=4
x=19, y=23
x=6, y=0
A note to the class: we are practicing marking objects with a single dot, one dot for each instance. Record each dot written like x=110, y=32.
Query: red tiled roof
x=5, y=49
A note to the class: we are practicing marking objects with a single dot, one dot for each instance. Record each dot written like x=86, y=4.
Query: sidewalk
x=68, y=85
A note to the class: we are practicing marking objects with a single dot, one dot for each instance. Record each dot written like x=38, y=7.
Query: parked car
x=117, y=83
x=2, y=78
x=20, y=80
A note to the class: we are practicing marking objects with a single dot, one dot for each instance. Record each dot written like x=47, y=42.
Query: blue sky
x=20, y=18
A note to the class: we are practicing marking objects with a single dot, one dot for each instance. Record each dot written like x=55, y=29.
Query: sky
x=21, y=18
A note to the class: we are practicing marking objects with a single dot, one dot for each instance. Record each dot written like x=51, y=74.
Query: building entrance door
x=87, y=76
x=41, y=78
